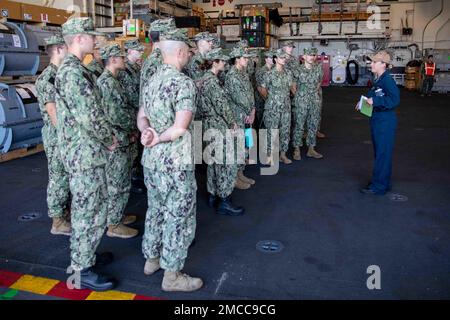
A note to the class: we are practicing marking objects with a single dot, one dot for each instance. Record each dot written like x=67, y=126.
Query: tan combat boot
x=320, y=135
x=129, y=219
x=244, y=178
x=241, y=185
x=284, y=158
x=313, y=153
x=269, y=160
x=121, y=231
x=60, y=227
x=177, y=281
x=297, y=154
x=151, y=266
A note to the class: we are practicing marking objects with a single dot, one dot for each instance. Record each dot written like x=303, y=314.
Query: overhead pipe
x=426, y=26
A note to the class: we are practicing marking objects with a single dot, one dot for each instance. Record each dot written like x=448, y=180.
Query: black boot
x=227, y=208
x=104, y=258
x=94, y=281
x=212, y=201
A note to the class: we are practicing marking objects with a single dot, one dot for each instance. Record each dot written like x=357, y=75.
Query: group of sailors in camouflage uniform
x=92, y=138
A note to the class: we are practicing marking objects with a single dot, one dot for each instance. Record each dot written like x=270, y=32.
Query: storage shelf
x=103, y=5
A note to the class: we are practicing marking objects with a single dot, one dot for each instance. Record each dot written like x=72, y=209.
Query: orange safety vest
x=430, y=68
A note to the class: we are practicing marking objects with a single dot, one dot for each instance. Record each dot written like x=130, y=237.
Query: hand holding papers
x=364, y=107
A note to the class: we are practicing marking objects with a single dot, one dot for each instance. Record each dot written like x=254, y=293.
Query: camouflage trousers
x=309, y=113
x=58, y=191
x=259, y=101
x=118, y=179
x=240, y=118
x=171, y=216
x=278, y=118
x=88, y=215
x=221, y=179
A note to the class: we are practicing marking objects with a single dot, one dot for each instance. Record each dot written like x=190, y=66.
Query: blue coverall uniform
x=383, y=124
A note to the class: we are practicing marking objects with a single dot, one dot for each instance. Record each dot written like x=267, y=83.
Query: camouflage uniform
x=216, y=114
x=154, y=60
x=130, y=77
x=307, y=103
x=259, y=100
x=193, y=69
x=169, y=171
x=84, y=133
x=239, y=88
x=130, y=81
x=96, y=68
x=277, y=110
x=292, y=64
x=259, y=78
x=149, y=67
x=122, y=119
x=58, y=193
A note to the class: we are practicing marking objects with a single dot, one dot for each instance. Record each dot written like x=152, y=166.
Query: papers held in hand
x=364, y=107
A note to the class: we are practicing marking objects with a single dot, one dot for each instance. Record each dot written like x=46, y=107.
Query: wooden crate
x=20, y=153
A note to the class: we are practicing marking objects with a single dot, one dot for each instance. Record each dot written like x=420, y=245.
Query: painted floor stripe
x=50, y=287
x=9, y=295
x=7, y=278
x=111, y=295
x=61, y=291
x=34, y=284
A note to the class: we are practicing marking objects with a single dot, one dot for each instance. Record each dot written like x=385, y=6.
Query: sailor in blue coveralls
x=384, y=97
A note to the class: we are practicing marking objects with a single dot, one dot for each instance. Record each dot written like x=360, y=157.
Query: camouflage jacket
x=292, y=65
x=130, y=81
x=308, y=81
x=149, y=68
x=240, y=90
x=278, y=85
x=169, y=91
x=45, y=86
x=96, y=68
x=259, y=79
x=260, y=74
x=83, y=129
x=193, y=68
x=213, y=105
x=120, y=114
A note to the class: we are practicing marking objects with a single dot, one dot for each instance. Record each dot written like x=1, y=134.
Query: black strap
x=32, y=99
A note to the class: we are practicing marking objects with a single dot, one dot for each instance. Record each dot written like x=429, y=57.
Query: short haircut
x=50, y=49
x=69, y=38
x=170, y=47
x=430, y=56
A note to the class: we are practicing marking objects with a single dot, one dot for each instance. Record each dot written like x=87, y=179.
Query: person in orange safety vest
x=429, y=70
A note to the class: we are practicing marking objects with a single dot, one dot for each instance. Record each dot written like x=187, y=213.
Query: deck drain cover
x=398, y=197
x=269, y=246
x=29, y=216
